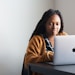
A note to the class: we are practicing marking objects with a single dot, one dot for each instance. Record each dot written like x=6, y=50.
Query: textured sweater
x=36, y=50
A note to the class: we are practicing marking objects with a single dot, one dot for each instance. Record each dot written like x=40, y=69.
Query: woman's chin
x=54, y=34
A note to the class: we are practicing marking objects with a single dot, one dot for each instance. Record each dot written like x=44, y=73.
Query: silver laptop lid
x=64, y=50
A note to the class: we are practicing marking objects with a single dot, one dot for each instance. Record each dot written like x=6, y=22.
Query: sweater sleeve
x=36, y=51
x=63, y=33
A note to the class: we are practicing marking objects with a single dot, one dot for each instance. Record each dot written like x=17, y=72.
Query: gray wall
x=18, y=19
x=67, y=7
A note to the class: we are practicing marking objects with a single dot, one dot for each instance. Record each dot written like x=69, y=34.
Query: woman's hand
x=50, y=55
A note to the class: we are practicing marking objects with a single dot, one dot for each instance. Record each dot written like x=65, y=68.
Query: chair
x=24, y=71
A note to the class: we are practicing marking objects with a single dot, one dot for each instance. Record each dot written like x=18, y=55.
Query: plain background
x=18, y=18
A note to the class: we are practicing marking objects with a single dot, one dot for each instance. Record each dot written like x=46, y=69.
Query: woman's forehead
x=54, y=17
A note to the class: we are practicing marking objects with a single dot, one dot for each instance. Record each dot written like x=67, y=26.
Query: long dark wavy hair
x=40, y=28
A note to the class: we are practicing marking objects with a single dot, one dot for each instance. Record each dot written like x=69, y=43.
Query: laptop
x=64, y=50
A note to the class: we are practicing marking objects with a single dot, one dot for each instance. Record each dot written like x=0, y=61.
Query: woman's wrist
x=50, y=55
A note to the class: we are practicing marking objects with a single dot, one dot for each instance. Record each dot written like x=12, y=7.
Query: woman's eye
x=57, y=24
x=50, y=23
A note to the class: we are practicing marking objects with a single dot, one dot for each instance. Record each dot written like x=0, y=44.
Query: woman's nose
x=54, y=26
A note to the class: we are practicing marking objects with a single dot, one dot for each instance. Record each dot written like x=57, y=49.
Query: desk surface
x=50, y=69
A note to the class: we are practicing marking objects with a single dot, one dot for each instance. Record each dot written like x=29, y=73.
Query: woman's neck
x=51, y=38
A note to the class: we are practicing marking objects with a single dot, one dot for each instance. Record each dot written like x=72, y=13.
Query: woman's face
x=53, y=25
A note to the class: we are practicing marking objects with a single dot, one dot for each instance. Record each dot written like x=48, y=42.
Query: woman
x=41, y=43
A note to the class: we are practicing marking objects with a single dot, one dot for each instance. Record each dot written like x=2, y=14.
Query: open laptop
x=64, y=50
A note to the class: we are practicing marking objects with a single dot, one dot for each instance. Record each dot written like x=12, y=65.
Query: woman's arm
x=36, y=51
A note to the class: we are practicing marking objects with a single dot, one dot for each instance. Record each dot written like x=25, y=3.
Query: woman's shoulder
x=63, y=33
x=37, y=37
x=37, y=40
